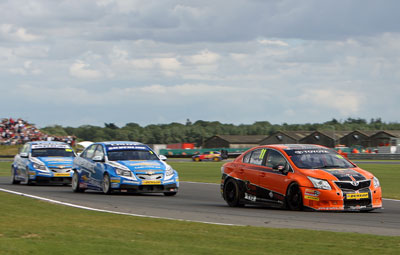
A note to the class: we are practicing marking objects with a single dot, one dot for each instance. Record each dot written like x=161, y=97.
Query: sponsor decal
x=114, y=185
x=312, y=194
x=125, y=147
x=115, y=181
x=155, y=182
x=311, y=198
x=32, y=172
x=311, y=152
x=50, y=145
x=62, y=174
x=129, y=182
x=357, y=195
x=250, y=197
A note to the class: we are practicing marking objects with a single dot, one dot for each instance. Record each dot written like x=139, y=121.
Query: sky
x=85, y=62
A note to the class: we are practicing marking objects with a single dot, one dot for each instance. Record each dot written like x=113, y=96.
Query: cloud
x=81, y=70
x=11, y=32
x=204, y=57
x=347, y=103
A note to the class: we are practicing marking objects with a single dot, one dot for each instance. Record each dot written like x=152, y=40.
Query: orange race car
x=299, y=176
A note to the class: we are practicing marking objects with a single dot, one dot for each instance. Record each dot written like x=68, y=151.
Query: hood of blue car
x=57, y=161
x=138, y=166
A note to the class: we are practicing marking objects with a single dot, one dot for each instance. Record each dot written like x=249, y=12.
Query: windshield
x=131, y=155
x=53, y=152
x=317, y=159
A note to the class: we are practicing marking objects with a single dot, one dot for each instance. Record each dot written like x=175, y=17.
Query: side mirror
x=163, y=158
x=98, y=159
x=284, y=168
x=23, y=155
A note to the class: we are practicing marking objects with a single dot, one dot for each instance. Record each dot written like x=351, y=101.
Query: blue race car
x=46, y=162
x=124, y=167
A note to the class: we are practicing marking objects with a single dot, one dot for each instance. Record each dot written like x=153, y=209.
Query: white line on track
x=108, y=211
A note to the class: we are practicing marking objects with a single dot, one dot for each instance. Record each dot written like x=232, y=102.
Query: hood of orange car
x=341, y=174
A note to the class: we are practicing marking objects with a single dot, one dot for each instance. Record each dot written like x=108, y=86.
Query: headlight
x=169, y=171
x=123, y=172
x=39, y=167
x=320, y=184
x=376, y=182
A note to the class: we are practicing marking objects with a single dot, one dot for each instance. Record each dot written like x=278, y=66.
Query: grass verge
x=29, y=226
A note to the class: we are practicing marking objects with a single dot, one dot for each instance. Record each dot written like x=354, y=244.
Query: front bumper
x=50, y=177
x=340, y=200
x=144, y=186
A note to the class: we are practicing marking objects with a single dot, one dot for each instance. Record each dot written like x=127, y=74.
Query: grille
x=363, y=202
x=149, y=176
x=349, y=186
x=58, y=170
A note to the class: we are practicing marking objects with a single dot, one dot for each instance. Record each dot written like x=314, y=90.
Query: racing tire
x=197, y=159
x=75, y=183
x=169, y=194
x=13, y=180
x=106, y=184
x=29, y=182
x=216, y=159
x=294, y=198
x=232, y=194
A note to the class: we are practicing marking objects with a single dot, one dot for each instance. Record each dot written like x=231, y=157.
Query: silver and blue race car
x=123, y=167
x=43, y=162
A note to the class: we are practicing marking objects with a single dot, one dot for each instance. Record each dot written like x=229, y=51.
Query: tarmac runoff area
x=202, y=202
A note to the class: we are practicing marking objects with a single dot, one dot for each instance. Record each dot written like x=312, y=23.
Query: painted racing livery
x=299, y=177
x=43, y=162
x=124, y=167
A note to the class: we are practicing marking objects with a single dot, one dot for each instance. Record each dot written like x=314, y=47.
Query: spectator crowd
x=19, y=131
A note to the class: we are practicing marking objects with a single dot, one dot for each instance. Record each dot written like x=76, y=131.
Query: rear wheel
x=13, y=180
x=294, y=197
x=232, y=193
x=75, y=183
x=106, y=184
x=197, y=159
x=217, y=159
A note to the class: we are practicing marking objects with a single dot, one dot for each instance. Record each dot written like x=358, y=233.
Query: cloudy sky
x=233, y=61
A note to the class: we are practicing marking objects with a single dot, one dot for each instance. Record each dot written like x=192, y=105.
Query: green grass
x=28, y=226
x=5, y=168
x=198, y=171
x=389, y=177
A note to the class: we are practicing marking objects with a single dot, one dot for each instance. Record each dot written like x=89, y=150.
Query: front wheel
x=232, y=193
x=294, y=198
x=106, y=185
x=75, y=183
x=13, y=180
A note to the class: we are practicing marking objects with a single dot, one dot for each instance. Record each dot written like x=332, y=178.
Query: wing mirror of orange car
x=284, y=168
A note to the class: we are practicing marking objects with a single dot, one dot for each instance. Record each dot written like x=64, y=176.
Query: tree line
x=200, y=130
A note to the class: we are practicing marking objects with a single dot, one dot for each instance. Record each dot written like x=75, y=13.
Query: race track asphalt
x=203, y=202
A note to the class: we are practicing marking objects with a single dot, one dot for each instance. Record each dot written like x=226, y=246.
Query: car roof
x=120, y=143
x=296, y=146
